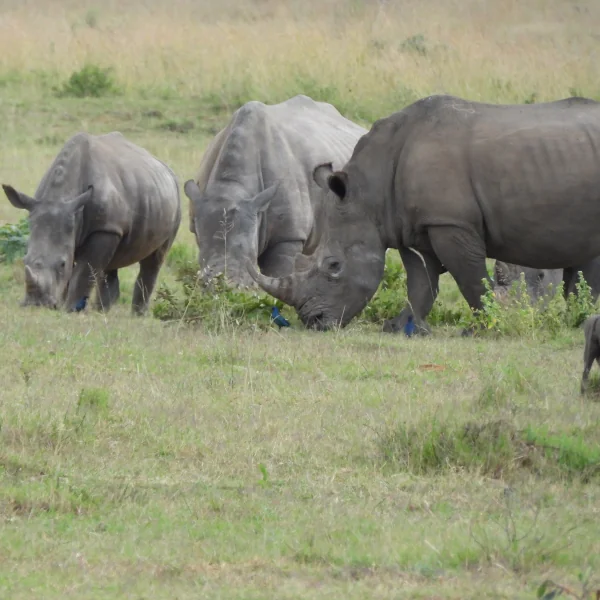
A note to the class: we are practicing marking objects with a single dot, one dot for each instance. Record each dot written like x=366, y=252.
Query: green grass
x=149, y=459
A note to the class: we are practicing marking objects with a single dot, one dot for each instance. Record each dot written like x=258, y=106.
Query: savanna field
x=198, y=452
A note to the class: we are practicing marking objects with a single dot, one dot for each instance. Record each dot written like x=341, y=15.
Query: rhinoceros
x=449, y=182
x=538, y=281
x=254, y=196
x=104, y=204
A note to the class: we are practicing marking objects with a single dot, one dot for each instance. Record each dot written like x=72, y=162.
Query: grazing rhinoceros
x=254, y=196
x=448, y=182
x=537, y=281
x=104, y=204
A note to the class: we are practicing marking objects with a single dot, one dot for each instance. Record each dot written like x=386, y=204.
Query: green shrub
x=91, y=80
x=13, y=240
x=516, y=315
x=495, y=448
x=215, y=307
x=390, y=297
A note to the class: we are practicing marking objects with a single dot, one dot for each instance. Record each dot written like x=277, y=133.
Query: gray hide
x=591, y=352
x=254, y=196
x=540, y=283
x=538, y=280
x=104, y=204
x=448, y=183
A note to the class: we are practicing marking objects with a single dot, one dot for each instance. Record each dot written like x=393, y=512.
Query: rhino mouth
x=317, y=322
x=51, y=304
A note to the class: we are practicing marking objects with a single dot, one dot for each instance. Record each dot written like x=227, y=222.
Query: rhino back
x=135, y=194
x=502, y=170
x=282, y=143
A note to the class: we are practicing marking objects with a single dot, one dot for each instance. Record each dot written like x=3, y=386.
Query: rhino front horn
x=30, y=277
x=282, y=288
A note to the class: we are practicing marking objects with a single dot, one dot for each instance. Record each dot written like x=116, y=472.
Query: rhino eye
x=333, y=267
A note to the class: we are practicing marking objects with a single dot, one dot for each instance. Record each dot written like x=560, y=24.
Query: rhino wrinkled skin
x=448, y=183
x=104, y=204
x=538, y=281
x=254, y=197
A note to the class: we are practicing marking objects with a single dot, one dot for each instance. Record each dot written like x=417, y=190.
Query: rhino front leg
x=422, y=283
x=91, y=261
x=463, y=253
x=146, y=279
x=108, y=290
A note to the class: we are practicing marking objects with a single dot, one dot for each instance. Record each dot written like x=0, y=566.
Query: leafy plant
x=495, y=448
x=13, y=240
x=214, y=306
x=91, y=80
x=513, y=313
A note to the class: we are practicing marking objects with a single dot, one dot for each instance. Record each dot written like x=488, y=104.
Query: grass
x=143, y=459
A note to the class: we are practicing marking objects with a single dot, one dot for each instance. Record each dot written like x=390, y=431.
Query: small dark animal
x=278, y=318
x=409, y=328
x=591, y=330
x=81, y=304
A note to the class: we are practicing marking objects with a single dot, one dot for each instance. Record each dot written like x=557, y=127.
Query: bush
x=216, y=307
x=515, y=315
x=496, y=448
x=13, y=240
x=91, y=80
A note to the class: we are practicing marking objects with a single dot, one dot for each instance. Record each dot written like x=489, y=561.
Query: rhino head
x=227, y=224
x=329, y=288
x=53, y=228
x=537, y=281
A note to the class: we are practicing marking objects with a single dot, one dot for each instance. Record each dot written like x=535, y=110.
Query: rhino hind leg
x=146, y=279
x=108, y=291
x=463, y=253
x=92, y=259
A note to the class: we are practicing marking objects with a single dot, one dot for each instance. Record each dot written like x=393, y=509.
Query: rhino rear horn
x=282, y=288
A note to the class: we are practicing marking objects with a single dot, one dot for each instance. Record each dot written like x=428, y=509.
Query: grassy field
x=140, y=459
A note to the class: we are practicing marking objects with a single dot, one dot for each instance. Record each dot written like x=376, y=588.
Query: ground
x=142, y=459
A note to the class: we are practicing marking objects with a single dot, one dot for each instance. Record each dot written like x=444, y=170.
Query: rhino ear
x=261, y=201
x=192, y=191
x=321, y=175
x=327, y=179
x=338, y=184
x=501, y=273
x=19, y=200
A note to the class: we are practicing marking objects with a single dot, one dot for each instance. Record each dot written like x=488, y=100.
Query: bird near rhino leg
x=407, y=324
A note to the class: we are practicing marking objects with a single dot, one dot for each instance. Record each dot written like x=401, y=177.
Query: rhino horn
x=282, y=288
x=30, y=277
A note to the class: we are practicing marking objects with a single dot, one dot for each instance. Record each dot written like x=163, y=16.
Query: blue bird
x=409, y=328
x=278, y=318
x=81, y=304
